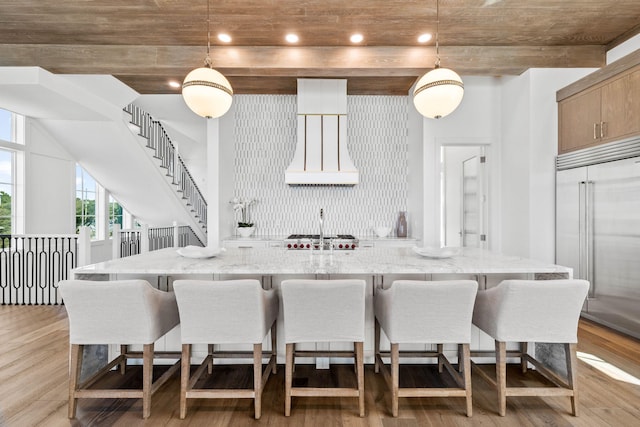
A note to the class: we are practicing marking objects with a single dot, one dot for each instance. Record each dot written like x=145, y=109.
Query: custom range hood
x=321, y=156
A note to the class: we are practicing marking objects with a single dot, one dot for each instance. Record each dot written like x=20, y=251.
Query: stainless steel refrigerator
x=598, y=233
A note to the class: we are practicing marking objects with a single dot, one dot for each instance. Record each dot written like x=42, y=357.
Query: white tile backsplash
x=265, y=143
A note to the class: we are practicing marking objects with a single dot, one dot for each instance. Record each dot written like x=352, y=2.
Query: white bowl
x=382, y=231
x=199, y=252
x=438, y=253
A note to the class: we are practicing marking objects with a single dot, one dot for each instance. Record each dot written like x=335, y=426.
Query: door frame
x=487, y=223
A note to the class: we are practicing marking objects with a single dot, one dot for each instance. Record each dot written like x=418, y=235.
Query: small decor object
x=401, y=228
x=382, y=231
x=245, y=231
x=241, y=207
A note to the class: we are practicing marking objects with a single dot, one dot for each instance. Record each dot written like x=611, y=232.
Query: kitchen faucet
x=321, y=243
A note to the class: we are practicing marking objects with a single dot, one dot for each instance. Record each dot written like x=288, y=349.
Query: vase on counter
x=401, y=227
x=245, y=231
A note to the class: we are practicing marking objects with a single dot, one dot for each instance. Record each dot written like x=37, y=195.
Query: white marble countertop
x=371, y=237
x=272, y=261
x=387, y=239
x=257, y=237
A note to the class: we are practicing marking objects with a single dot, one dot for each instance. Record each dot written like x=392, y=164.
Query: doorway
x=464, y=198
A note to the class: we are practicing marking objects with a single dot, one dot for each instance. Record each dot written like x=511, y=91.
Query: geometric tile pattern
x=265, y=128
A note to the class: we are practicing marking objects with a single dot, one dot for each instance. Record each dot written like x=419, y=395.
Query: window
x=6, y=128
x=11, y=172
x=11, y=127
x=116, y=215
x=86, y=189
x=6, y=191
x=96, y=208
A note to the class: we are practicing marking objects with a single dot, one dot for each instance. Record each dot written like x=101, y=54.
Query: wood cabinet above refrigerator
x=602, y=107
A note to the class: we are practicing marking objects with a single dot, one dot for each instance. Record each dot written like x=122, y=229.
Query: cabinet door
x=577, y=117
x=621, y=107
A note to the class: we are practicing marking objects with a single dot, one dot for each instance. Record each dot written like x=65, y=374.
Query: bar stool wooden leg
x=465, y=354
x=440, y=361
x=147, y=379
x=123, y=364
x=572, y=375
x=288, y=379
x=376, y=352
x=210, y=364
x=523, y=356
x=274, y=346
x=395, y=377
x=257, y=380
x=74, y=376
x=185, y=375
x=359, y=347
x=501, y=376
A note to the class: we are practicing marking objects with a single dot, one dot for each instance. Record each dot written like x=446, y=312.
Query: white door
x=465, y=200
x=470, y=213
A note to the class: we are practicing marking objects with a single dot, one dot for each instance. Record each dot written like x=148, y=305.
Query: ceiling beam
x=381, y=70
x=298, y=61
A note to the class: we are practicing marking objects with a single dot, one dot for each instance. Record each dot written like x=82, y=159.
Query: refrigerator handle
x=582, y=220
x=589, y=236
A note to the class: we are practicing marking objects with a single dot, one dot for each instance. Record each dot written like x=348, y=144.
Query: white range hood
x=321, y=156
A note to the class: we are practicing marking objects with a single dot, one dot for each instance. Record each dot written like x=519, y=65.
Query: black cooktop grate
x=317, y=236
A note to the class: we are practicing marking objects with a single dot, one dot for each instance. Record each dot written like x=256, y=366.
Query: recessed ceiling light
x=291, y=38
x=424, y=38
x=225, y=38
x=174, y=84
x=356, y=38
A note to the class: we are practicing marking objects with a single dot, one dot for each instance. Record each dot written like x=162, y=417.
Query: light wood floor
x=33, y=389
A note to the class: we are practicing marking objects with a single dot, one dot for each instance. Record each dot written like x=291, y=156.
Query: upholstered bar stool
x=125, y=312
x=526, y=311
x=321, y=311
x=420, y=312
x=226, y=312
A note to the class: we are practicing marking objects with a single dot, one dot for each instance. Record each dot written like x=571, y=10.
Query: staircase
x=159, y=143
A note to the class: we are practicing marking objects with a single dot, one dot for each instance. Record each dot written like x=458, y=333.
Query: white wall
x=515, y=157
x=50, y=183
x=529, y=147
x=624, y=49
x=475, y=122
x=415, y=172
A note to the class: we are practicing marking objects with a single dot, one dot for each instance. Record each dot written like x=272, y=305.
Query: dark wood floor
x=34, y=366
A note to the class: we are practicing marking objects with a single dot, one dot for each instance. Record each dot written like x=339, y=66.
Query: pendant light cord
x=207, y=60
x=437, y=31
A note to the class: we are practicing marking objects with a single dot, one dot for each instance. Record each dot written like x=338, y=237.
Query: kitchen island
x=378, y=266
x=374, y=261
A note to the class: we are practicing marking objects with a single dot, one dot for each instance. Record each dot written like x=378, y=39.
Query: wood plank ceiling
x=147, y=43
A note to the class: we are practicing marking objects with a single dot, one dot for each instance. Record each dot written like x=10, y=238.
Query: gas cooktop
x=312, y=241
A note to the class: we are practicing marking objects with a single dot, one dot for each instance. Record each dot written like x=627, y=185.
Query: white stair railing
x=31, y=265
x=159, y=142
x=135, y=241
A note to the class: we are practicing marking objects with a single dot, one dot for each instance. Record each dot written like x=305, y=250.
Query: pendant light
x=439, y=92
x=206, y=91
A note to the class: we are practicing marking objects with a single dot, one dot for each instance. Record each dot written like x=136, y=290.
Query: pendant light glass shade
x=207, y=92
x=438, y=93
